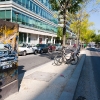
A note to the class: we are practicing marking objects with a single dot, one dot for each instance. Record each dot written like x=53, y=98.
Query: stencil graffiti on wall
x=8, y=52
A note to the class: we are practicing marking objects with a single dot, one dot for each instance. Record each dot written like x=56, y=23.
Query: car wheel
x=24, y=53
x=41, y=51
x=35, y=52
x=49, y=50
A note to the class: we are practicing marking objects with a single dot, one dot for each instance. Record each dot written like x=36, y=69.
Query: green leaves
x=72, y=5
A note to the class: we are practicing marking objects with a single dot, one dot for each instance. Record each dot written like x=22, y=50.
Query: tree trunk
x=64, y=35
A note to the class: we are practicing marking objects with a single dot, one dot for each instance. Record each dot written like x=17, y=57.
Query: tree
x=81, y=28
x=60, y=33
x=97, y=39
x=64, y=6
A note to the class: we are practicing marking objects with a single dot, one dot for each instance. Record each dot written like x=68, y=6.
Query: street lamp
x=16, y=38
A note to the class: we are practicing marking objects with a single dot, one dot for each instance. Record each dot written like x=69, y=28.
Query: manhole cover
x=41, y=76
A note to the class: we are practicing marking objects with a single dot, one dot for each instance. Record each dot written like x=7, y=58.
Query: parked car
x=58, y=46
x=35, y=49
x=24, y=49
x=51, y=47
x=42, y=48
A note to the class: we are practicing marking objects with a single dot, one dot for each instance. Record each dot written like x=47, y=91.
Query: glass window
x=8, y=14
x=2, y=14
x=22, y=37
x=23, y=19
x=13, y=16
x=29, y=38
x=27, y=4
x=19, y=2
x=30, y=22
x=19, y=18
x=23, y=3
x=31, y=5
x=36, y=9
x=27, y=20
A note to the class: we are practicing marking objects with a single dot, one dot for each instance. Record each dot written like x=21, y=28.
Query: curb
x=69, y=90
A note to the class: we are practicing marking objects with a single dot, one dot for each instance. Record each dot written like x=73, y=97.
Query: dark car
x=51, y=47
x=42, y=48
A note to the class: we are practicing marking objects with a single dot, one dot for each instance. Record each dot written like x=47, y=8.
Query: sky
x=95, y=18
x=94, y=15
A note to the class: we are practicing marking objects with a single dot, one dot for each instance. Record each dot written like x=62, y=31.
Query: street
x=31, y=61
x=89, y=82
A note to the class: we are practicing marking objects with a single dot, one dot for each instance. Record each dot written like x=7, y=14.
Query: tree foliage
x=63, y=6
x=71, y=5
x=97, y=39
x=81, y=25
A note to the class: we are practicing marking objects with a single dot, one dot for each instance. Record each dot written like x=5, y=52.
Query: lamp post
x=16, y=38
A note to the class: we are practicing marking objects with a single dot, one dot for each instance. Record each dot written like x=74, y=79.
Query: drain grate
x=41, y=76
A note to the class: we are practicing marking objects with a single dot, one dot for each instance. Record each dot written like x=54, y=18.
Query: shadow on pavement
x=51, y=55
x=21, y=73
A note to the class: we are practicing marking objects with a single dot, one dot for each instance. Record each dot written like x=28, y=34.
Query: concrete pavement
x=49, y=82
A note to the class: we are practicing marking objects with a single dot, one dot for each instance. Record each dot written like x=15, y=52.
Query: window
x=27, y=21
x=31, y=5
x=36, y=9
x=23, y=19
x=2, y=14
x=22, y=37
x=27, y=4
x=29, y=38
x=13, y=16
x=23, y=3
x=19, y=18
x=8, y=14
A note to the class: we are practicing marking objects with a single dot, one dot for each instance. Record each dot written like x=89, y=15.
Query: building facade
x=35, y=18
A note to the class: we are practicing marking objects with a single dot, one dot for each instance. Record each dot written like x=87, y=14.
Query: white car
x=24, y=49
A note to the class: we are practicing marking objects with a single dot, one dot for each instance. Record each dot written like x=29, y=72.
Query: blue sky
x=94, y=15
x=95, y=18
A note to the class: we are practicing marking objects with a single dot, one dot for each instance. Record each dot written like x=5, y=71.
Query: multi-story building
x=35, y=18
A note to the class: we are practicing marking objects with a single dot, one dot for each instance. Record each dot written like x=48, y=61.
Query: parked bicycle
x=62, y=56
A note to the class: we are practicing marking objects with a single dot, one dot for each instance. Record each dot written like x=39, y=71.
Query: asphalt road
x=89, y=81
x=96, y=68
x=31, y=61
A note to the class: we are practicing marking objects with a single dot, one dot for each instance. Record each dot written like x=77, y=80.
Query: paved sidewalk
x=45, y=82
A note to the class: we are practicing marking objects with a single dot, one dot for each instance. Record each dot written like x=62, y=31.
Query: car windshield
x=41, y=45
x=49, y=44
x=57, y=44
x=22, y=45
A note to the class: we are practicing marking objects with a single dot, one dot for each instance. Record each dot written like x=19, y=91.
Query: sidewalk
x=46, y=82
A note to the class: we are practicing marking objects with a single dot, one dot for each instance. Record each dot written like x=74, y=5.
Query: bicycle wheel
x=74, y=61
x=58, y=60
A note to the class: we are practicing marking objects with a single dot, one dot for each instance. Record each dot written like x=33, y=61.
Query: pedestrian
x=84, y=45
x=74, y=45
